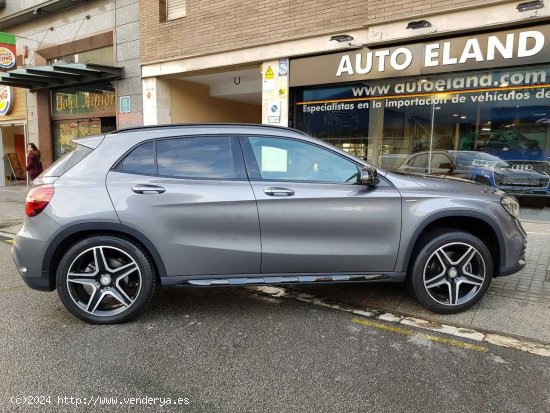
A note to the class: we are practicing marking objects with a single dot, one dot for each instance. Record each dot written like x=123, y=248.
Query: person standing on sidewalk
x=34, y=165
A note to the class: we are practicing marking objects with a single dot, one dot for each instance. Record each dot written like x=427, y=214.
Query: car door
x=314, y=216
x=191, y=198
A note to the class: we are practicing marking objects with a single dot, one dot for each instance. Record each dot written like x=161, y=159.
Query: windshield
x=511, y=133
x=477, y=159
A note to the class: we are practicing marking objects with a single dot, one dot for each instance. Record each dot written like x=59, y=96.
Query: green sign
x=124, y=104
x=7, y=38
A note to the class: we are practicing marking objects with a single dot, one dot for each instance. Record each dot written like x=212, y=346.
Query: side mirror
x=369, y=176
x=448, y=166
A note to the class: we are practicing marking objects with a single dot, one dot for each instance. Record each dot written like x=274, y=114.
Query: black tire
x=454, y=243
x=137, y=287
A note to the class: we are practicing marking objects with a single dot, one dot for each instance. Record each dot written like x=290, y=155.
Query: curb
x=7, y=235
x=540, y=349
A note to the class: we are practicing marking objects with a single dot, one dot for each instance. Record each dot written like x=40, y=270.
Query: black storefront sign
x=506, y=48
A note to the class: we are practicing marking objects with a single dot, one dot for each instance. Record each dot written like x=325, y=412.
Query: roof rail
x=190, y=125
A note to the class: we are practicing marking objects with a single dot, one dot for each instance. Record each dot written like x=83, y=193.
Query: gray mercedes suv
x=234, y=205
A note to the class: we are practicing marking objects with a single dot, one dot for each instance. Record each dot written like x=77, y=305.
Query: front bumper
x=516, y=248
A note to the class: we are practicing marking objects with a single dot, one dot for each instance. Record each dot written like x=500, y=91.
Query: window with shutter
x=175, y=9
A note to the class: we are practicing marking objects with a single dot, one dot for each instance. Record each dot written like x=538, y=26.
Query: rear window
x=67, y=161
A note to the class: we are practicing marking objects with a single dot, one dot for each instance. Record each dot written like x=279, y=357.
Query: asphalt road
x=233, y=350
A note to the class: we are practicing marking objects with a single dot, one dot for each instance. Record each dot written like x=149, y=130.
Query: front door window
x=290, y=160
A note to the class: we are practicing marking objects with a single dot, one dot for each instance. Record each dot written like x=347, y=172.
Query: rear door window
x=200, y=158
x=140, y=161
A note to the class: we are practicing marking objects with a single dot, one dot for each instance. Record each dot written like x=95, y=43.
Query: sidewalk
x=12, y=207
x=515, y=305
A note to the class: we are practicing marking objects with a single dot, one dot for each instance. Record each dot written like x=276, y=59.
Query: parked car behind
x=480, y=167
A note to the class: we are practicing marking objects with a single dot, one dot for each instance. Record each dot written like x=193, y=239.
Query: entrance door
x=314, y=216
x=20, y=150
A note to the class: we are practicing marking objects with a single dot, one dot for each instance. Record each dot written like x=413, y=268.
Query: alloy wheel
x=454, y=273
x=104, y=281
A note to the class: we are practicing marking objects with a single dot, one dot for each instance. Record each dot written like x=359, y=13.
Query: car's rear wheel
x=105, y=279
x=452, y=271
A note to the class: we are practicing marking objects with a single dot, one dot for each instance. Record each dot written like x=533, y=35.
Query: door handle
x=148, y=189
x=276, y=191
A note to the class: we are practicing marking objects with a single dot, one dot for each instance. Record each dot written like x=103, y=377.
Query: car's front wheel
x=452, y=271
x=105, y=279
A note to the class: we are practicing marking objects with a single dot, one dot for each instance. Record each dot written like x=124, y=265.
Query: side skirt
x=268, y=279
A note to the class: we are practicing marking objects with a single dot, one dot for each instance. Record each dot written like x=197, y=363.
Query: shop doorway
x=64, y=131
x=230, y=96
x=19, y=146
x=13, y=154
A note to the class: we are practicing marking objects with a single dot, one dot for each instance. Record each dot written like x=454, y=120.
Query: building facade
x=78, y=69
x=447, y=87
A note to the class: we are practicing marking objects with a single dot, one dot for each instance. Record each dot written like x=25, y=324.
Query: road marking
x=387, y=327
x=457, y=343
x=403, y=320
x=409, y=332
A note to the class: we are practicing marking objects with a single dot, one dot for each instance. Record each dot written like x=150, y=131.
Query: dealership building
x=381, y=80
x=420, y=85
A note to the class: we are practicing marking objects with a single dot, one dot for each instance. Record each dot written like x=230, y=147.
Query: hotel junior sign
x=489, y=50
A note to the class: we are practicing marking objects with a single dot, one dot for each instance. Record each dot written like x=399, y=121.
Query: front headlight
x=511, y=205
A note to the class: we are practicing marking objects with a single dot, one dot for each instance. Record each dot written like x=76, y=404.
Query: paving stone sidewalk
x=533, y=282
x=12, y=201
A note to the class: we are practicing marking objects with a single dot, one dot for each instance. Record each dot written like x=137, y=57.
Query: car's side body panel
x=431, y=200
x=198, y=226
x=328, y=227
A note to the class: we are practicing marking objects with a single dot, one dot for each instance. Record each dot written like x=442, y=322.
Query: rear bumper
x=28, y=261
x=28, y=252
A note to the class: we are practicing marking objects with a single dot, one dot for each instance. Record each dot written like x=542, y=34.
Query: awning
x=59, y=75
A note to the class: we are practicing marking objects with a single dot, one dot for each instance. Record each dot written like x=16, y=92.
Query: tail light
x=37, y=199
